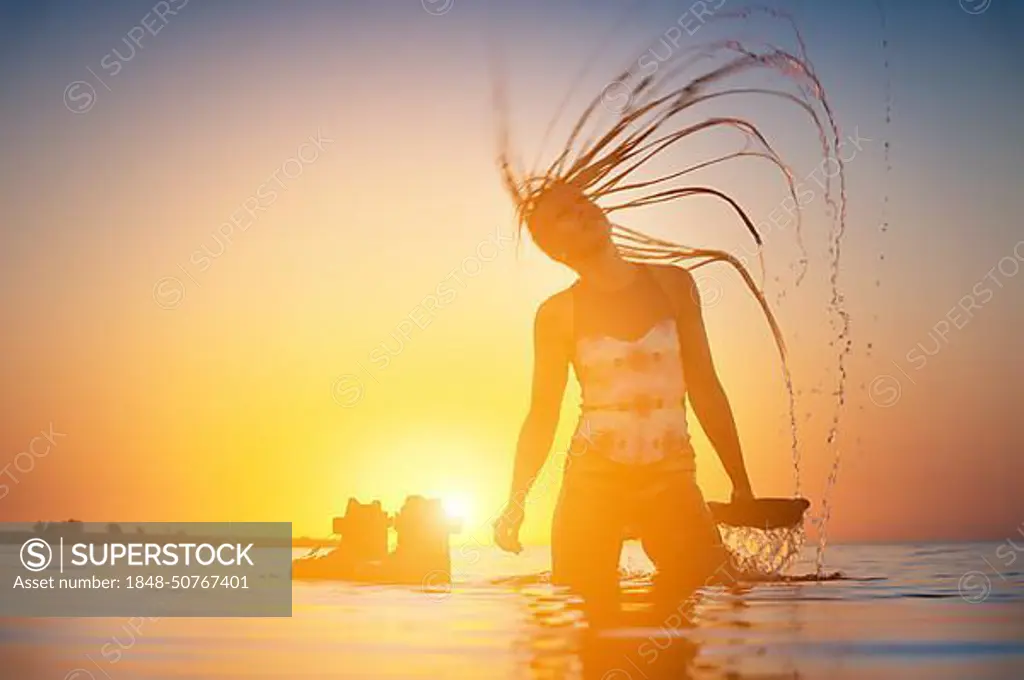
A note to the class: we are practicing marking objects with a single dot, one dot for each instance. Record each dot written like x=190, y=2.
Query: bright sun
x=456, y=507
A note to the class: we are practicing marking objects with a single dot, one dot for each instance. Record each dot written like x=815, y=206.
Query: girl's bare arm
x=707, y=396
x=550, y=374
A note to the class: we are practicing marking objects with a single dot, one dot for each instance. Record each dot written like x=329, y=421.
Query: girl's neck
x=608, y=271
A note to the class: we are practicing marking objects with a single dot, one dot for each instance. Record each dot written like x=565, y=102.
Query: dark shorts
x=602, y=503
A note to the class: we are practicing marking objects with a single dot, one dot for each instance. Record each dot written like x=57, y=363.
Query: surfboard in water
x=762, y=513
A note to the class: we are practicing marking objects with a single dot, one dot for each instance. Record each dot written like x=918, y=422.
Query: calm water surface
x=905, y=611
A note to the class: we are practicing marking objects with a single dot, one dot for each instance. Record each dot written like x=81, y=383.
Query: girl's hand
x=742, y=494
x=506, y=529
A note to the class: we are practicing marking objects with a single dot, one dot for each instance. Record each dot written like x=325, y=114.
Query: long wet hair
x=605, y=167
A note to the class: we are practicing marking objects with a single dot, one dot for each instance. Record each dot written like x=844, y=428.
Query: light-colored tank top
x=633, y=407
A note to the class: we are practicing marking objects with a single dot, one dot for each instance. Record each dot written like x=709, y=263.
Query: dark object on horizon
x=423, y=548
x=422, y=555
x=72, y=527
x=762, y=513
x=364, y=531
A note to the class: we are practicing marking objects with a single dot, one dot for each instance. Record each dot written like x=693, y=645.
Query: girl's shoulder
x=558, y=305
x=671, y=275
x=677, y=284
x=556, y=312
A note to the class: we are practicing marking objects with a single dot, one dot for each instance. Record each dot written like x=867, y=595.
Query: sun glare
x=456, y=507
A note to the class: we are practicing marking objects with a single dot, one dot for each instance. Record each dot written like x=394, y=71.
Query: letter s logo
x=36, y=554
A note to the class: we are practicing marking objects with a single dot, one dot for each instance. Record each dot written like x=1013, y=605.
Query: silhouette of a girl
x=632, y=329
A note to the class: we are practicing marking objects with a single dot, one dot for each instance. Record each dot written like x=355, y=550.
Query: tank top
x=626, y=358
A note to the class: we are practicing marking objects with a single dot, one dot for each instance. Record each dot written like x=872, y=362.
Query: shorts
x=603, y=502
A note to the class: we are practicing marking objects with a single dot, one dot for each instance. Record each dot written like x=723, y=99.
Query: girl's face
x=569, y=228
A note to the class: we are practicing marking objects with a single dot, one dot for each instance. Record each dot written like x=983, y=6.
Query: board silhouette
x=762, y=513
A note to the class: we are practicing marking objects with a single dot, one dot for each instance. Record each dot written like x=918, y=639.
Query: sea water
x=935, y=611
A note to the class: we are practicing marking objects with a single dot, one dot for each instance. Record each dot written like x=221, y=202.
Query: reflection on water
x=641, y=643
x=560, y=646
x=898, y=614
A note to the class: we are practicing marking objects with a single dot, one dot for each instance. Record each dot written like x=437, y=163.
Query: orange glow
x=369, y=332
x=457, y=507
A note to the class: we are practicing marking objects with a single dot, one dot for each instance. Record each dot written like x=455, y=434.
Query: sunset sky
x=193, y=378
